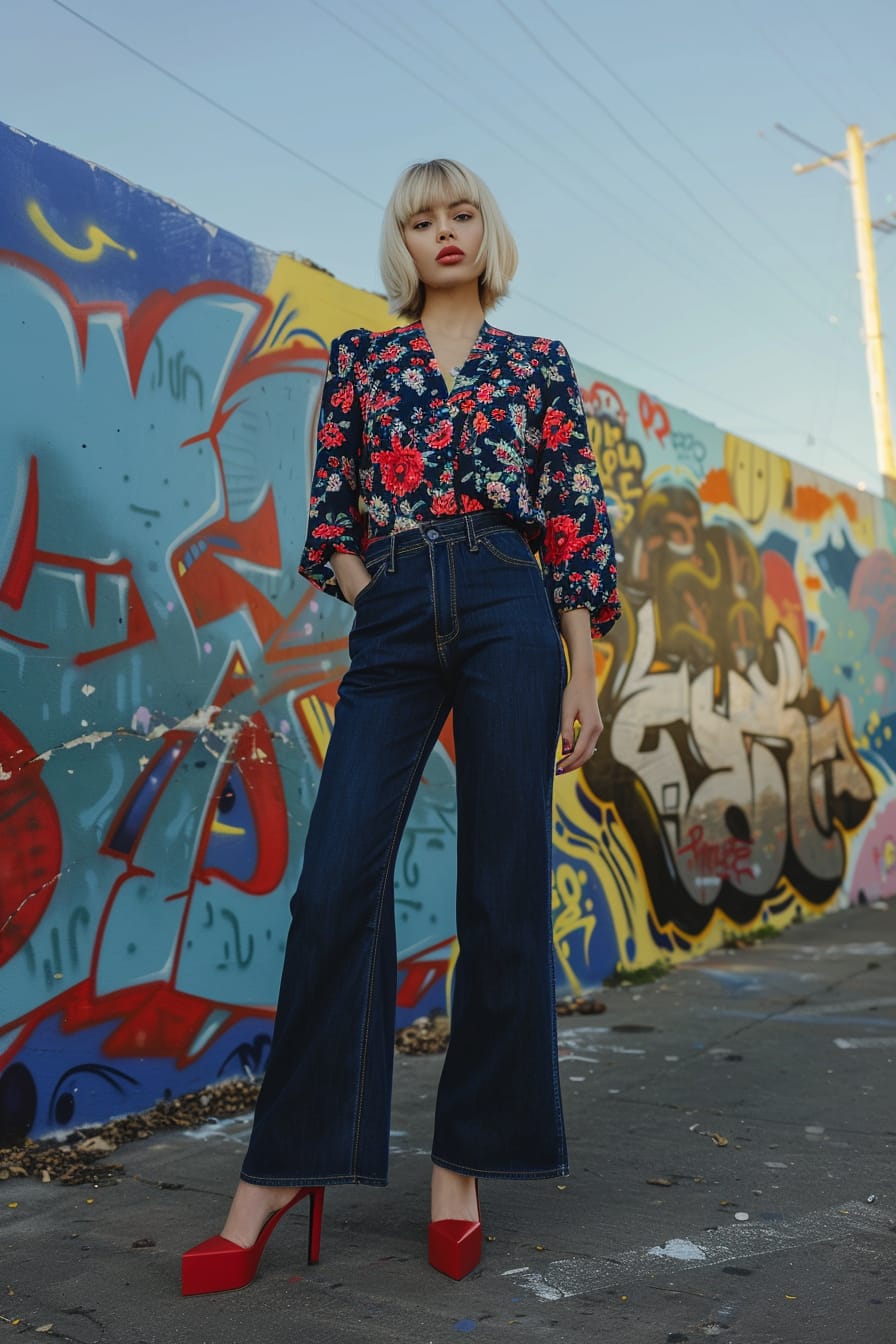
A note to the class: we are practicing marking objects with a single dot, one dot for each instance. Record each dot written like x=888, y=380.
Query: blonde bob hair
x=421, y=187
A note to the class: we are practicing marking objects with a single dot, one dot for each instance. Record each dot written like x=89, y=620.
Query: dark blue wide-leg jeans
x=456, y=617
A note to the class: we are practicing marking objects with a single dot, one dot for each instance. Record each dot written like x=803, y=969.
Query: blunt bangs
x=422, y=187
x=426, y=185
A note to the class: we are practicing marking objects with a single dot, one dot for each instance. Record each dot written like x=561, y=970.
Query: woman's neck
x=453, y=312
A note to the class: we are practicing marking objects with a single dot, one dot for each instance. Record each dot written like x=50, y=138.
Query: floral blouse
x=396, y=448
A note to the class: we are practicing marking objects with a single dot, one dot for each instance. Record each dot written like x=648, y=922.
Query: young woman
x=450, y=453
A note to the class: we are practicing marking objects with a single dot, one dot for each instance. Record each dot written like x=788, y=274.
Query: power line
x=420, y=45
x=687, y=382
x=841, y=50
x=608, y=166
x=688, y=149
x=816, y=149
x=795, y=66
x=219, y=107
x=489, y=129
x=658, y=163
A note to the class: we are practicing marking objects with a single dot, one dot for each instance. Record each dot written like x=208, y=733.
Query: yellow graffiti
x=588, y=861
x=99, y=240
x=306, y=299
x=449, y=974
x=620, y=462
x=222, y=828
x=317, y=717
x=889, y=855
x=574, y=918
x=760, y=481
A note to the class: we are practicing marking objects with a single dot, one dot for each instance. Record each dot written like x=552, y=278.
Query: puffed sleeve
x=578, y=553
x=334, y=518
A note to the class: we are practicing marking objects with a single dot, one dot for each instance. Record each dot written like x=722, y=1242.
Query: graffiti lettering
x=98, y=239
x=620, y=462
x=738, y=760
x=728, y=861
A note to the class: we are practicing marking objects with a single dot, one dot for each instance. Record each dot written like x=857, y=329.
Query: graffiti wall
x=167, y=681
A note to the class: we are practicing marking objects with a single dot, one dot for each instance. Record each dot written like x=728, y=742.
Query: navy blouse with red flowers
x=396, y=448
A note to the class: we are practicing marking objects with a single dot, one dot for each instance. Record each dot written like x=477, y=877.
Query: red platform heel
x=218, y=1264
x=455, y=1245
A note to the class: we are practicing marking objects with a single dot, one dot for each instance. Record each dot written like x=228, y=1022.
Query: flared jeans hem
x=291, y=1181
x=494, y=1174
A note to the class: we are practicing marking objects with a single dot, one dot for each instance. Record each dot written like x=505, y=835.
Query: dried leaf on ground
x=582, y=1003
x=97, y=1144
x=425, y=1036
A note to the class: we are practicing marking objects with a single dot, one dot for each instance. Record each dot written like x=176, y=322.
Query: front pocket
x=375, y=575
x=509, y=546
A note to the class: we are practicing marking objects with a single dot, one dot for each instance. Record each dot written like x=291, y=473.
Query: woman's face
x=444, y=243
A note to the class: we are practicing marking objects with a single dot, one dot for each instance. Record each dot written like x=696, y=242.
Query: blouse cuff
x=315, y=565
x=603, y=607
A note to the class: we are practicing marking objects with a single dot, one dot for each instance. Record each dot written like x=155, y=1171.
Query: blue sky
x=631, y=144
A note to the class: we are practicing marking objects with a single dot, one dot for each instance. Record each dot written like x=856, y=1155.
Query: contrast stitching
x=549, y=918
x=381, y=548
x=313, y=1180
x=425, y=748
x=435, y=606
x=508, y=560
x=374, y=579
x=452, y=596
x=521, y=1174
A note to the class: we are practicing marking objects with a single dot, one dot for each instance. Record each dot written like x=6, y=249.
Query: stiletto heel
x=315, y=1223
x=455, y=1245
x=218, y=1264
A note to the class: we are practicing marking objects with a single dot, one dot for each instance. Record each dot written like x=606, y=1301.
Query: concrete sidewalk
x=785, y=1050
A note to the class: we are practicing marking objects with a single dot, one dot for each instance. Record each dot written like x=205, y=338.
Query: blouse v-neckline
x=460, y=368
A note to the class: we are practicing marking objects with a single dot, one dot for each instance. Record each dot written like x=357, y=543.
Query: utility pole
x=854, y=158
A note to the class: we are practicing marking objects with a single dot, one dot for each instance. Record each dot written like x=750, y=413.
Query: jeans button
x=432, y=534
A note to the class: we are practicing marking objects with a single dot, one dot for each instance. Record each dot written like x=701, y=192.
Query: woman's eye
x=463, y=215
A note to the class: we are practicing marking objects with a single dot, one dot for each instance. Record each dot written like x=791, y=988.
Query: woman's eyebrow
x=428, y=209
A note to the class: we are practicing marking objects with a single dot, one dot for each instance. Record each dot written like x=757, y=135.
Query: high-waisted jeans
x=456, y=617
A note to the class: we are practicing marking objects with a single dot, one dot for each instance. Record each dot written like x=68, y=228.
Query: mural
x=167, y=681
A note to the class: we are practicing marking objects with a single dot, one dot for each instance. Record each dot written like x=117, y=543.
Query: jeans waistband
x=467, y=526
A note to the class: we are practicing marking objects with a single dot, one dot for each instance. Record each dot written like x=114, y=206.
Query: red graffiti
x=421, y=972
x=30, y=841
x=602, y=399
x=27, y=554
x=654, y=417
x=211, y=587
x=729, y=860
x=12, y=589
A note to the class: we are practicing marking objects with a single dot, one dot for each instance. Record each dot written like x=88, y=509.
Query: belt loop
x=392, y=540
x=471, y=532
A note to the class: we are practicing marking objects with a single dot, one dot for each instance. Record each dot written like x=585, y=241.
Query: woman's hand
x=580, y=697
x=351, y=574
x=579, y=704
